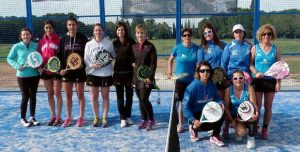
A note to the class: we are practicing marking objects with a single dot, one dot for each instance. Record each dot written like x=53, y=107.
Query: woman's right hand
x=259, y=75
x=96, y=66
x=63, y=72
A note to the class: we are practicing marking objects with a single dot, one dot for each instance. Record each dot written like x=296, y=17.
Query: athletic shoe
x=96, y=122
x=255, y=130
x=237, y=137
x=80, y=122
x=25, y=123
x=123, y=123
x=150, y=125
x=51, y=122
x=264, y=133
x=250, y=142
x=143, y=124
x=57, y=121
x=225, y=132
x=104, y=122
x=193, y=134
x=68, y=122
x=179, y=128
x=129, y=121
x=217, y=140
x=34, y=121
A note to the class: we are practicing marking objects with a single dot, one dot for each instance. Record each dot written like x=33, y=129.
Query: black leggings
x=145, y=105
x=28, y=87
x=216, y=126
x=124, y=110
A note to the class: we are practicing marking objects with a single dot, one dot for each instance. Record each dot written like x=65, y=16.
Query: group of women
x=245, y=66
x=238, y=58
x=128, y=57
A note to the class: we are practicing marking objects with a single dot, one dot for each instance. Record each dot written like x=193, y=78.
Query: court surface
x=284, y=132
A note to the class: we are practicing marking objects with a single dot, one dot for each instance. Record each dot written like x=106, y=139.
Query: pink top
x=48, y=48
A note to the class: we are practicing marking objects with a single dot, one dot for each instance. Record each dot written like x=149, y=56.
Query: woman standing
x=123, y=72
x=201, y=91
x=263, y=55
x=73, y=42
x=145, y=55
x=48, y=47
x=237, y=93
x=99, y=76
x=211, y=49
x=28, y=78
x=186, y=58
x=236, y=55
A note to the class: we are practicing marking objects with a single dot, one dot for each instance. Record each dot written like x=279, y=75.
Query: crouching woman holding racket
x=200, y=92
x=98, y=55
x=235, y=97
x=27, y=74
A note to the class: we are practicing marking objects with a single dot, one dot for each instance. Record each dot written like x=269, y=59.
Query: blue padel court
x=284, y=131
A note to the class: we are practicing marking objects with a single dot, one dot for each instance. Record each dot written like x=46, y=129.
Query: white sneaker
x=250, y=142
x=237, y=137
x=34, y=121
x=123, y=123
x=25, y=123
x=129, y=121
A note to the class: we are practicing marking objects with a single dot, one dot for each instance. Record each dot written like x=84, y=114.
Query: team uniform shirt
x=212, y=55
x=235, y=101
x=48, y=48
x=196, y=96
x=124, y=56
x=17, y=57
x=236, y=55
x=263, y=61
x=91, y=49
x=186, y=60
x=69, y=45
x=144, y=54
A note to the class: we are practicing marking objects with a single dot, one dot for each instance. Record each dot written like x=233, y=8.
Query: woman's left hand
x=148, y=81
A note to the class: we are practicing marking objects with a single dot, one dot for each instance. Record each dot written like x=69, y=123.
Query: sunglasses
x=186, y=35
x=204, y=70
x=207, y=33
x=269, y=34
x=238, y=78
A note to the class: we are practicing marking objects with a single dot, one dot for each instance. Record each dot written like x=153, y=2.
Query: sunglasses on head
x=186, y=35
x=204, y=70
x=236, y=78
x=269, y=34
x=208, y=32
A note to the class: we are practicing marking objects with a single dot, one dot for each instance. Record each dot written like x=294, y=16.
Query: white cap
x=238, y=27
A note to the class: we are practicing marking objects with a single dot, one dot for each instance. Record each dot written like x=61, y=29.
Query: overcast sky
x=90, y=7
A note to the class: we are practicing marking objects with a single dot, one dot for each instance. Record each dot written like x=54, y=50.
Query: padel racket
x=53, y=65
x=74, y=61
x=279, y=70
x=219, y=75
x=212, y=112
x=102, y=57
x=34, y=60
x=143, y=73
x=245, y=111
x=178, y=76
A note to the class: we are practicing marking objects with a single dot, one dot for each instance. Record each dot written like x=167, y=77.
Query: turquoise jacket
x=17, y=57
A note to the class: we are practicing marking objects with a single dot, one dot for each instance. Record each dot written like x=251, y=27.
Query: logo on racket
x=74, y=61
x=143, y=72
x=34, y=60
x=245, y=111
x=102, y=57
x=219, y=75
x=211, y=112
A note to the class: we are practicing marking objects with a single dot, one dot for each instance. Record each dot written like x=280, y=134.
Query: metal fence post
x=102, y=13
x=256, y=19
x=178, y=21
x=29, y=15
